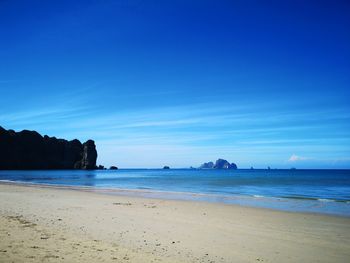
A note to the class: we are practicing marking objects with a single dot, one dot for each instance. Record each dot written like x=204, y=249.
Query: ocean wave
x=308, y=198
x=333, y=200
x=326, y=200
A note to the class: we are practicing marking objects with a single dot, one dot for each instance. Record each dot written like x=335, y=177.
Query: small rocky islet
x=219, y=164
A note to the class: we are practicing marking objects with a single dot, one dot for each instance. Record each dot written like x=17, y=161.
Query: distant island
x=31, y=151
x=166, y=167
x=219, y=164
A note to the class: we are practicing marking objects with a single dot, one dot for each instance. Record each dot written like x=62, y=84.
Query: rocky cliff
x=30, y=150
x=223, y=164
x=208, y=165
x=219, y=164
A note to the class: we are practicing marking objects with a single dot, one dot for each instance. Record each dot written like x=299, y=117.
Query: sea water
x=321, y=191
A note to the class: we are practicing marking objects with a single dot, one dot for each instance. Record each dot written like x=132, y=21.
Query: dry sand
x=48, y=224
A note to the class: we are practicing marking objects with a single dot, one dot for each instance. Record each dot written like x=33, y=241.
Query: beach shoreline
x=54, y=224
x=298, y=205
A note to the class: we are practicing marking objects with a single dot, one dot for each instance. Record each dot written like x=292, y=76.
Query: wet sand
x=48, y=224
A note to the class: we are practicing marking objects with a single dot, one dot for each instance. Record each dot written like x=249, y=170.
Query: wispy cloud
x=297, y=158
x=187, y=133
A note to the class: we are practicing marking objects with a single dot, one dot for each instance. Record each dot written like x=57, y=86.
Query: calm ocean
x=322, y=191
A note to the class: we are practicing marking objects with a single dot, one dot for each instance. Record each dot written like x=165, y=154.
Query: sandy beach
x=48, y=224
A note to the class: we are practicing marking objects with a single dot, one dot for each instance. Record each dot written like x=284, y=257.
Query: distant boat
x=166, y=167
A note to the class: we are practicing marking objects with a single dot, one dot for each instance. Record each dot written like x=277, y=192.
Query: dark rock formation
x=166, y=167
x=29, y=150
x=100, y=167
x=209, y=165
x=219, y=164
x=223, y=164
x=89, y=155
x=113, y=168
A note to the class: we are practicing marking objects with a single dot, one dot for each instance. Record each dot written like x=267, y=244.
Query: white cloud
x=296, y=158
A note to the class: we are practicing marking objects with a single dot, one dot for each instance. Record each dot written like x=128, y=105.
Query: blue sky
x=183, y=82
